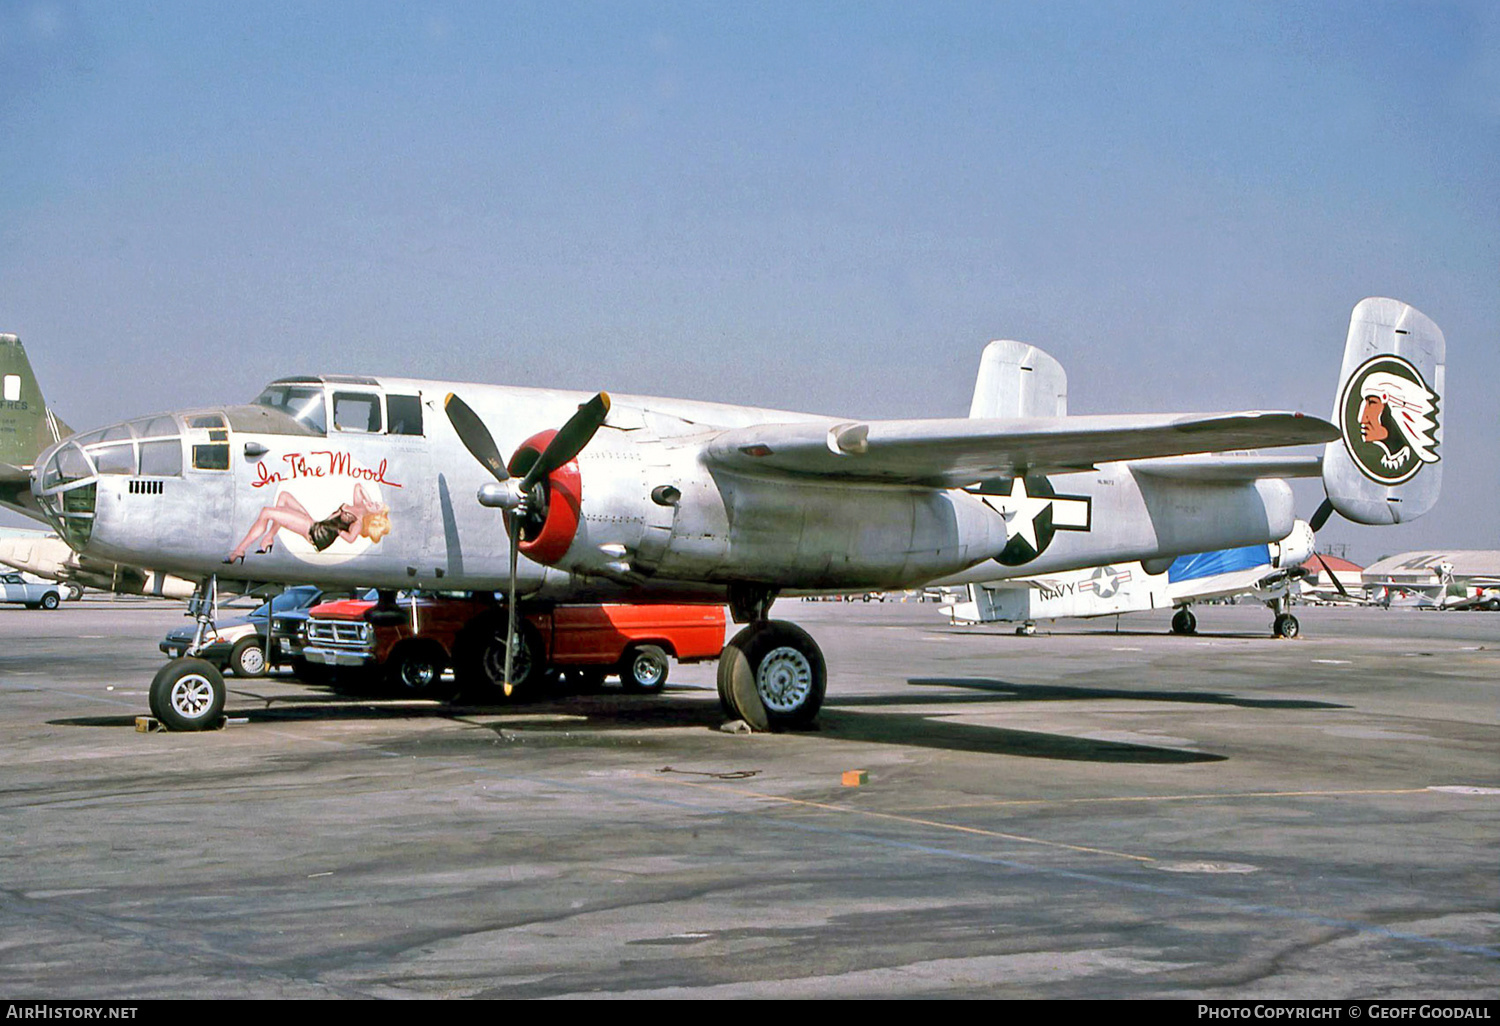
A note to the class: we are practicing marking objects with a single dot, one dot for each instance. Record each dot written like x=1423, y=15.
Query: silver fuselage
x=121, y=495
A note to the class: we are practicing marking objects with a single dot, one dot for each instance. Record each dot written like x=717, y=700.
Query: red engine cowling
x=546, y=539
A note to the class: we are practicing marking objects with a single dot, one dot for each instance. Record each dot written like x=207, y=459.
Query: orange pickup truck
x=584, y=643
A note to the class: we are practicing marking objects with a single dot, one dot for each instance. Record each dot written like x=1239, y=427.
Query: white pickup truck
x=15, y=587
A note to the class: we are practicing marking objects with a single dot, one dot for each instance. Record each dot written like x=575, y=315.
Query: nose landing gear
x=189, y=693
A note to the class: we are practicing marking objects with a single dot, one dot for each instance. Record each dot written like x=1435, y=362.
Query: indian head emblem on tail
x=1389, y=413
x=1392, y=413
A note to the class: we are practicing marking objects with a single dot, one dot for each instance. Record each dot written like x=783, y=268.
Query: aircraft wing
x=951, y=453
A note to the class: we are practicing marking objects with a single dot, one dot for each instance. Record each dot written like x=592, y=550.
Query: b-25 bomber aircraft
x=344, y=481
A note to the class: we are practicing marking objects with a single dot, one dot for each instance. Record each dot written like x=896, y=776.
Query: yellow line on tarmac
x=824, y=807
x=997, y=802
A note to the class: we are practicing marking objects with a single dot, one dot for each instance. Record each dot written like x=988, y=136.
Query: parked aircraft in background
x=1457, y=579
x=343, y=481
x=27, y=426
x=1268, y=573
x=46, y=555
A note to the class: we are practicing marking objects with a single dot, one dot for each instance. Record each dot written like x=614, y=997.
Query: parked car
x=239, y=642
x=29, y=591
x=585, y=642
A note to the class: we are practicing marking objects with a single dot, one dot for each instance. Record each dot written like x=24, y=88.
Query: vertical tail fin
x=1019, y=380
x=26, y=425
x=1387, y=468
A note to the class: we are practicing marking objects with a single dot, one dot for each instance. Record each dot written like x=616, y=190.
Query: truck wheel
x=248, y=659
x=50, y=600
x=479, y=659
x=416, y=671
x=188, y=694
x=643, y=670
x=772, y=676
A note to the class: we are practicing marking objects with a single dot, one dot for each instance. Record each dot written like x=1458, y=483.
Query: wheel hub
x=254, y=660
x=647, y=670
x=784, y=679
x=192, y=695
x=417, y=675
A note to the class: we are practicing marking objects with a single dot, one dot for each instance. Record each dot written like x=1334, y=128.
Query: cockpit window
x=356, y=411
x=300, y=402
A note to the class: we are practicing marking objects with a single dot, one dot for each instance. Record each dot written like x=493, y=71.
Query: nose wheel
x=188, y=694
x=772, y=676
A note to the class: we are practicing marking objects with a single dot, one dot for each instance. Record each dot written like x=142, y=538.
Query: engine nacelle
x=1295, y=549
x=549, y=525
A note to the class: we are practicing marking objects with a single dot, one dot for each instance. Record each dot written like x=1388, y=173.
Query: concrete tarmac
x=1088, y=813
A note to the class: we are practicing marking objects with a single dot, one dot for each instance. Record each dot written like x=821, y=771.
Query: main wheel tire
x=479, y=659
x=188, y=694
x=74, y=592
x=644, y=668
x=50, y=600
x=248, y=658
x=416, y=671
x=1184, y=622
x=1286, y=626
x=772, y=676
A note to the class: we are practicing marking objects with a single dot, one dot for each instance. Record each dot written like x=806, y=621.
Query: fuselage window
x=356, y=411
x=405, y=413
x=213, y=456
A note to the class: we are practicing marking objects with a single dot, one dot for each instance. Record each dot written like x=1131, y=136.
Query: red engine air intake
x=563, y=489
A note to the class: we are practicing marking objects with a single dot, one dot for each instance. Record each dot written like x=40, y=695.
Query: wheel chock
x=152, y=725
x=855, y=778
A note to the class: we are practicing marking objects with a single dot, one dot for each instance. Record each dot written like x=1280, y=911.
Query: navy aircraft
x=1268, y=573
x=344, y=481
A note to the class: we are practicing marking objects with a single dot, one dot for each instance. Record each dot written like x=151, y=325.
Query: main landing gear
x=1285, y=625
x=772, y=676
x=189, y=693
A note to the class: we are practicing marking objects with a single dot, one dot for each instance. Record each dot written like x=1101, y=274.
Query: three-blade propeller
x=564, y=447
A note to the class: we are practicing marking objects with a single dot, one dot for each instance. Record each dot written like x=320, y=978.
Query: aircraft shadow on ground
x=589, y=712
x=1005, y=691
x=612, y=712
x=924, y=731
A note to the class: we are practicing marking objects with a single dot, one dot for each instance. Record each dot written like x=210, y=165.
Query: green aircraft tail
x=26, y=425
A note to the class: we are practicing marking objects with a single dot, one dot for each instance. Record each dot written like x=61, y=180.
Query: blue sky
x=816, y=206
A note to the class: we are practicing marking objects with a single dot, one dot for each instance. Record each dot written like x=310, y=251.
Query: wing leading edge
x=953, y=453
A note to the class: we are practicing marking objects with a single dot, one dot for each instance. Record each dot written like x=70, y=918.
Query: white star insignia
x=1019, y=512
